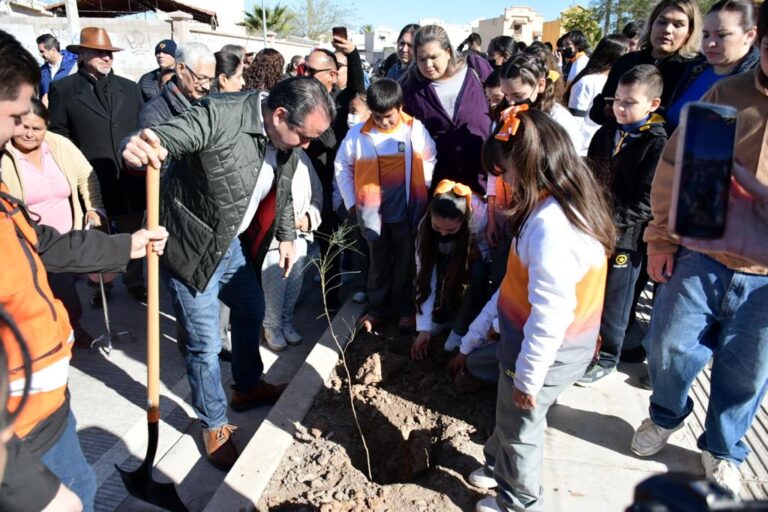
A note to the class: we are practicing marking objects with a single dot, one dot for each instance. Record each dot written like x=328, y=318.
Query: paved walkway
x=109, y=396
x=588, y=462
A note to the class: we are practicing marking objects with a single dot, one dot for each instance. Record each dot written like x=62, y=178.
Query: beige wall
x=552, y=31
x=138, y=39
x=529, y=22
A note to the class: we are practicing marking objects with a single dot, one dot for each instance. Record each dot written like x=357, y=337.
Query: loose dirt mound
x=424, y=437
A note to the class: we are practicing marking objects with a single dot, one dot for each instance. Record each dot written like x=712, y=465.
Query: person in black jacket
x=629, y=152
x=165, y=53
x=195, y=69
x=670, y=41
x=96, y=110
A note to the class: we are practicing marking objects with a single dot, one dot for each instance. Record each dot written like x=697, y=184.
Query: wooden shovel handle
x=153, y=299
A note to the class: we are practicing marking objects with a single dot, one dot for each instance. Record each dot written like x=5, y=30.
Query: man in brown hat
x=96, y=110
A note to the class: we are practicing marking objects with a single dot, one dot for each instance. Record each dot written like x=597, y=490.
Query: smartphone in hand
x=339, y=32
x=703, y=168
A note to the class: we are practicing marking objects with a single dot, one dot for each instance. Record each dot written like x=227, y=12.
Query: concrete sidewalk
x=109, y=396
x=588, y=463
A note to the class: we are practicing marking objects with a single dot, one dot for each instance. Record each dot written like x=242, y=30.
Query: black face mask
x=526, y=101
x=446, y=239
x=567, y=53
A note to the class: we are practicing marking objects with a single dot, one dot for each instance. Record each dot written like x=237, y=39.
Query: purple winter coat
x=459, y=141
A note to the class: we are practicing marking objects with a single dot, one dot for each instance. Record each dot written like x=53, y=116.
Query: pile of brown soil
x=423, y=435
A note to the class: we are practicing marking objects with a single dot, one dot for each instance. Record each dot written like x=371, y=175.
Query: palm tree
x=366, y=28
x=279, y=19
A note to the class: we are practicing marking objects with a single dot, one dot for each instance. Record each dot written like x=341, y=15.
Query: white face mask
x=353, y=119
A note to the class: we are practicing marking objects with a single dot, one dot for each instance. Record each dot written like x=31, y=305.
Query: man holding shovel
x=235, y=160
x=46, y=466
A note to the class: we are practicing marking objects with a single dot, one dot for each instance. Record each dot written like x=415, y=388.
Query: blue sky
x=396, y=13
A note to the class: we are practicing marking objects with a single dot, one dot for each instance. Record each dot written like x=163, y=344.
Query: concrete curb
x=246, y=481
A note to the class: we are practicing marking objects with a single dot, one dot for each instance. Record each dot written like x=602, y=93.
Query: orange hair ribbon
x=459, y=189
x=511, y=122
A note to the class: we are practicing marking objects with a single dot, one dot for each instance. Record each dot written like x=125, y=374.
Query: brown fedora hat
x=94, y=38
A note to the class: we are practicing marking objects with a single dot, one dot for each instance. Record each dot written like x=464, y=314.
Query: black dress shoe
x=139, y=293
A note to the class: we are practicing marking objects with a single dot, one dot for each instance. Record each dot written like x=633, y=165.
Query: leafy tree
x=585, y=20
x=366, y=29
x=315, y=18
x=279, y=20
x=614, y=14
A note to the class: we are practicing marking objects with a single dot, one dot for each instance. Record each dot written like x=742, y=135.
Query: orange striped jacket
x=42, y=320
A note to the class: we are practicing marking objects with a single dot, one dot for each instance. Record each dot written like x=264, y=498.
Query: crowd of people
x=511, y=203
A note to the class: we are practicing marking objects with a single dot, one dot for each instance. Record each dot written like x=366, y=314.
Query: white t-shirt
x=263, y=186
x=576, y=68
x=585, y=90
x=448, y=90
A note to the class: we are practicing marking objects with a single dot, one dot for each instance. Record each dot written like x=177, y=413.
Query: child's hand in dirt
x=458, y=364
x=420, y=346
x=523, y=400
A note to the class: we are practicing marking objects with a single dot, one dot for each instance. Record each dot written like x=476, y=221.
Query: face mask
x=526, y=101
x=567, y=53
x=353, y=119
x=446, y=239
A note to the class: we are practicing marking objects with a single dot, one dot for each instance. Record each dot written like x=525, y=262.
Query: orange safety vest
x=42, y=320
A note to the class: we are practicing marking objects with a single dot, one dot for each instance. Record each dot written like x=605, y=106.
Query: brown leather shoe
x=219, y=448
x=263, y=394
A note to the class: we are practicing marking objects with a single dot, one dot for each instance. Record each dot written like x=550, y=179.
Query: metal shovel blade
x=140, y=484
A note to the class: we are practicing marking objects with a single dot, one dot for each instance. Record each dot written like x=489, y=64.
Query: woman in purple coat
x=445, y=92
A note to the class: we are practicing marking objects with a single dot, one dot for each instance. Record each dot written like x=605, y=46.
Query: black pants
x=391, y=271
x=623, y=271
x=64, y=289
x=134, y=271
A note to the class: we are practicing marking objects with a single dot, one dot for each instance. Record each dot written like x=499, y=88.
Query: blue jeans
x=234, y=282
x=707, y=310
x=66, y=460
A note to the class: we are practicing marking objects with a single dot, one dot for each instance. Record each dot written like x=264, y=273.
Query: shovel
x=139, y=483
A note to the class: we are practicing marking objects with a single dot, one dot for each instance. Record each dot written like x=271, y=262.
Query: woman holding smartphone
x=714, y=306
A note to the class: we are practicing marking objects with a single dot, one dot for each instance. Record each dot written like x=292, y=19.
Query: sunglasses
x=310, y=71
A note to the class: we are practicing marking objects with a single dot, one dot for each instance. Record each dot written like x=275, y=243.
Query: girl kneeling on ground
x=550, y=300
x=450, y=250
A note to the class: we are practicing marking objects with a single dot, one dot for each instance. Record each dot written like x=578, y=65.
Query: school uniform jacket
x=549, y=303
x=357, y=154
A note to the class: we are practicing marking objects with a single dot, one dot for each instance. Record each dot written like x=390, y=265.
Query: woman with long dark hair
x=229, y=73
x=549, y=303
x=590, y=81
x=405, y=52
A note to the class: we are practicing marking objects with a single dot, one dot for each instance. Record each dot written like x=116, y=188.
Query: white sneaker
x=360, y=298
x=723, y=472
x=291, y=335
x=453, y=342
x=275, y=340
x=650, y=438
x=479, y=478
x=488, y=505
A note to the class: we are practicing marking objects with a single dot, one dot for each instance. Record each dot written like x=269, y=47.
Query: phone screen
x=705, y=171
x=339, y=32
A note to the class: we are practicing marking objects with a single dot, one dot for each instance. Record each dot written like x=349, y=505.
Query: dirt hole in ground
x=397, y=455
